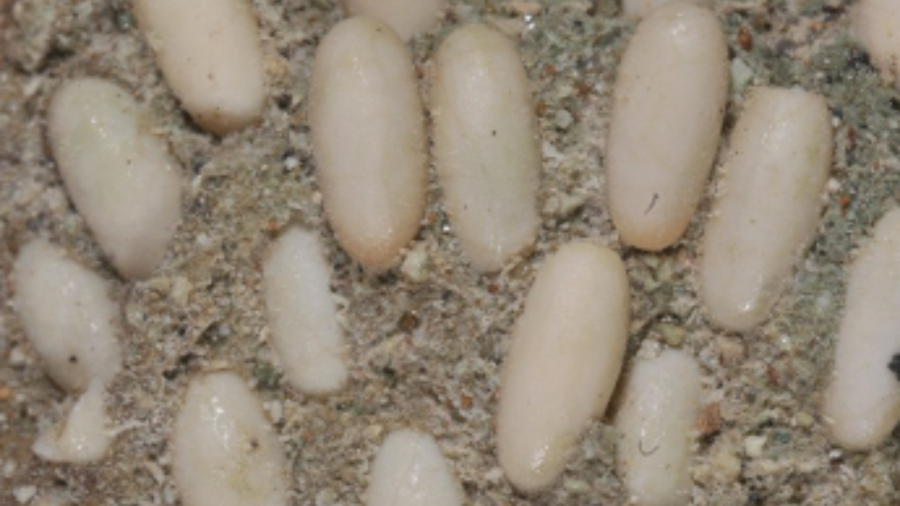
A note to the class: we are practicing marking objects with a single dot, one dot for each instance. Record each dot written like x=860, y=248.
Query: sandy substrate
x=426, y=345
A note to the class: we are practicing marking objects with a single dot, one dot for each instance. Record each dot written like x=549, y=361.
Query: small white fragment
x=225, y=453
x=643, y=8
x=120, y=176
x=210, y=54
x=417, y=265
x=407, y=17
x=368, y=130
x=486, y=145
x=668, y=107
x=83, y=436
x=741, y=75
x=181, y=290
x=410, y=470
x=564, y=361
x=55, y=498
x=68, y=316
x=876, y=24
x=754, y=446
x=302, y=314
x=862, y=402
x=661, y=399
x=769, y=207
x=24, y=494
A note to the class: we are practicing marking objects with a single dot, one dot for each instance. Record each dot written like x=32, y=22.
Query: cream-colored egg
x=563, y=364
x=368, y=130
x=68, y=316
x=876, y=25
x=643, y=8
x=83, y=436
x=862, y=401
x=407, y=17
x=486, y=144
x=668, y=106
x=118, y=173
x=659, y=405
x=769, y=204
x=302, y=314
x=210, y=54
x=225, y=452
x=410, y=470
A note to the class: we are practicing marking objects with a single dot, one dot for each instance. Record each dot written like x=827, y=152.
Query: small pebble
x=24, y=494
x=754, y=445
x=417, y=264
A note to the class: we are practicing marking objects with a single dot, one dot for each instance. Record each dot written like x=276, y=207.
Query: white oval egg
x=224, y=451
x=368, y=131
x=407, y=17
x=643, y=8
x=876, y=25
x=862, y=401
x=68, y=316
x=210, y=54
x=659, y=405
x=410, y=470
x=83, y=436
x=486, y=145
x=563, y=364
x=769, y=204
x=118, y=173
x=302, y=314
x=668, y=105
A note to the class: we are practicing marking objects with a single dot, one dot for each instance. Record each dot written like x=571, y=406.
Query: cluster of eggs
x=568, y=346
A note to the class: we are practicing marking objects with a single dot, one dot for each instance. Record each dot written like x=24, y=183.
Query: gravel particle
x=754, y=445
x=24, y=494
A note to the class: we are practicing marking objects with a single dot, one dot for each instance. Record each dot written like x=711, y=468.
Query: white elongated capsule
x=210, y=54
x=225, y=452
x=68, y=316
x=83, y=436
x=120, y=176
x=660, y=403
x=302, y=314
x=862, y=401
x=876, y=24
x=486, y=145
x=643, y=8
x=369, y=140
x=407, y=17
x=668, y=106
x=410, y=470
x=564, y=361
x=767, y=213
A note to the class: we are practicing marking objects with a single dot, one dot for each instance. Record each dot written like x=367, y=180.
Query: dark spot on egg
x=894, y=365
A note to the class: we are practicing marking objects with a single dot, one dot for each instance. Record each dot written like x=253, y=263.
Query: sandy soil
x=426, y=346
